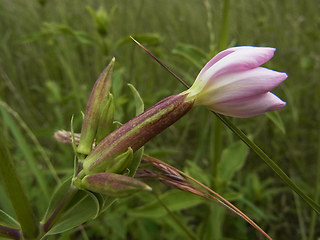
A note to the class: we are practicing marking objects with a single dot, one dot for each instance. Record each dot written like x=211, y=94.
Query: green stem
x=316, y=196
x=218, y=125
x=217, y=150
x=270, y=163
x=224, y=25
x=15, y=192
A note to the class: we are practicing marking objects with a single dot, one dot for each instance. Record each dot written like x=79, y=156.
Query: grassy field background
x=52, y=51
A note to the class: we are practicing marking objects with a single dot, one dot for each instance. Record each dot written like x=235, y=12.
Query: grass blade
x=15, y=192
x=29, y=156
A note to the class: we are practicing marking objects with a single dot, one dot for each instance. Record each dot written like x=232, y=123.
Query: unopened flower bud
x=137, y=131
x=93, y=109
x=113, y=185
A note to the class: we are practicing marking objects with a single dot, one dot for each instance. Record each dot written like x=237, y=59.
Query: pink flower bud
x=233, y=83
x=96, y=102
x=112, y=184
x=135, y=133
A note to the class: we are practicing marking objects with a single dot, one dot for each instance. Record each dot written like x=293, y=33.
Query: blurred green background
x=52, y=51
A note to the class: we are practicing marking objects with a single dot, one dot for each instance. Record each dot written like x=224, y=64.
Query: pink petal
x=244, y=84
x=249, y=107
x=242, y=58
x=215, y=59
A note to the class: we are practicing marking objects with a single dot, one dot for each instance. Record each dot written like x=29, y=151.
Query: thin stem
x=15, y=192
x=217, y=150
x=317, y=194
x=224, y=25
x=302, y=228
x=209, y=24
x=161, y=63
x=218, y=125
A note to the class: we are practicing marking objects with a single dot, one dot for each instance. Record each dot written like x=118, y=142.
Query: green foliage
x=81, y=207
x=175, y=200
x=232, y=160
x=51, y=52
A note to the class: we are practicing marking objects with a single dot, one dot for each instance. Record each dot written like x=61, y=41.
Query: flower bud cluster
x=104, y=167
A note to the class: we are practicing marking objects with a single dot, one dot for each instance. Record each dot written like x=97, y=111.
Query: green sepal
x=137, y=99
x=105, y=124
x=121, y=162
x=115, y=164
x=135, y=162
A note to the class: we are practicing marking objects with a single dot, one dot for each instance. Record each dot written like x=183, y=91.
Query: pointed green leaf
x=105, y=123
x=135, y=162
x=120, y=162
x=137, y=98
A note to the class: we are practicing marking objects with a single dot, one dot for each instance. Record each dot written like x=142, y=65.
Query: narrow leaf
x=137, y=99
